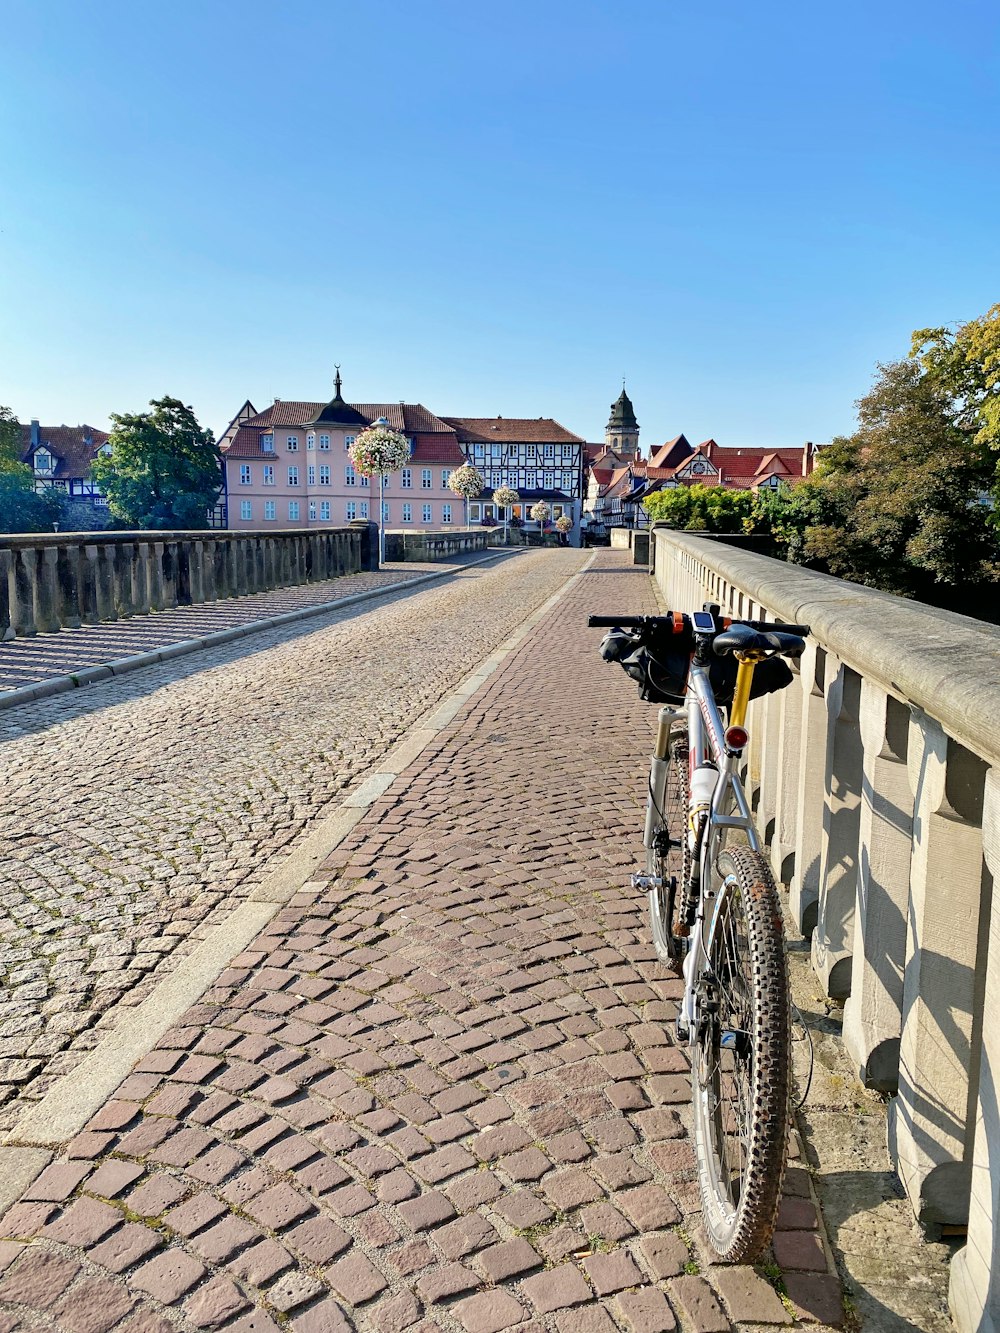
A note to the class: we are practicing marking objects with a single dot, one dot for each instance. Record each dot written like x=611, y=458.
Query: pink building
x=289, y=466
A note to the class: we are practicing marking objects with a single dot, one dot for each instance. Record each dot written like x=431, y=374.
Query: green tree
x=902, y=503
x=164, y=470
x=701, y=508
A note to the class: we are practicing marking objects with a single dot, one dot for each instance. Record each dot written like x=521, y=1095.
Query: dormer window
x=44, y=463
x=267, y=444
x=105, y=449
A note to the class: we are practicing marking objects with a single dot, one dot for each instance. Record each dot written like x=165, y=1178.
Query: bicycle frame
x=718, y=805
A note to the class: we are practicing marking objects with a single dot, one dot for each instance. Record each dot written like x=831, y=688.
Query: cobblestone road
x=136, y=810
x=439, y=1091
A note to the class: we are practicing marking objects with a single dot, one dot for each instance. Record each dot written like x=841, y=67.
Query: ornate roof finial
x=337, y=381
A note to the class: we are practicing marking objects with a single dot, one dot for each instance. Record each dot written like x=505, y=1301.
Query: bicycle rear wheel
x=740, y=1070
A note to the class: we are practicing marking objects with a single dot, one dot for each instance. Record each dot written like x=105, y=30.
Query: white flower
x=379, y=451
x=506, y=496
x=466, y=481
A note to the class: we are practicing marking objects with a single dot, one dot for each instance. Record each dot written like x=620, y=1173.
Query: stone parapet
x=425, y=546
x=73, y=578
x=875, y=779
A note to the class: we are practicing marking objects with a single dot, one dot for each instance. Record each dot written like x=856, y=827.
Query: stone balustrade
x=70, y=579
x=434, y=545
x=876, y=782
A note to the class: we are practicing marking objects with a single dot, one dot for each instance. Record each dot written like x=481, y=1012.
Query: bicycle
x=719, y=922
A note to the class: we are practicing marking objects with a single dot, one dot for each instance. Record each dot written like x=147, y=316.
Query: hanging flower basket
x=466, y=482
x=378, y=451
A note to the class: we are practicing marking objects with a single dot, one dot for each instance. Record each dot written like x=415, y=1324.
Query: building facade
x=289, y=466
x=60, y=459
x=537, y=456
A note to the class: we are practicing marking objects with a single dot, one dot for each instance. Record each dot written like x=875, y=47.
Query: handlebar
x=637, y=622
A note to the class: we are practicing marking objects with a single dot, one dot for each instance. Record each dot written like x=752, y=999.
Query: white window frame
x=293, y=510
x=445, y=477
x=475, y=511
x=311, y=474
x=311, y=440
x=324, y=442
x=406, y=478
x=324, y=511
x=246, y=510
x=350, y=476
x=407, y=513
x=364, y=508
x=292, y=443
x=293, y=476
x=426, y=479
x=312, y=511
x=246, y=474
x=351, y=510
x=270, y=509
x=267, y=443
x=428, y=514
x=446, y=513
x=324, y=474
x=349, y=440
x=268, y=474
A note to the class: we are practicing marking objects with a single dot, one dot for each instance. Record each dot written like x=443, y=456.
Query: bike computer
x=703, y=622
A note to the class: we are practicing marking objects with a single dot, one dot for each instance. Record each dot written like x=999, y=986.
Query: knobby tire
x=740, y=1067
x=663, y=901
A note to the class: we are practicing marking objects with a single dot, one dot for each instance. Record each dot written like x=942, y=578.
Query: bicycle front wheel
x=663, y=899
x=740, y=1073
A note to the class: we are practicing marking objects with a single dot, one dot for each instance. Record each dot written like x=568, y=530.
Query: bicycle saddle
x=743, y=639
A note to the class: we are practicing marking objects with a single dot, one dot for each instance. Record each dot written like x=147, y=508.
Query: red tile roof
x=513, y=430
x=73, y=447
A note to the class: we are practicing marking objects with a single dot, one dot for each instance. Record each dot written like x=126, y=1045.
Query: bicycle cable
x=812, y=1057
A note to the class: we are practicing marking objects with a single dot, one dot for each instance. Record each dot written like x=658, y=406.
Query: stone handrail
x=876, y=781
x=433, y=545
x=71, y=579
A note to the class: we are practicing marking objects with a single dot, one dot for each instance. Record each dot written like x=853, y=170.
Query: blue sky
x=492, y=209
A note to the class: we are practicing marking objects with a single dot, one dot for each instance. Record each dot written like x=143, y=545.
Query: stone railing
x=876, y=781
x=433, y=545
x=85, y=578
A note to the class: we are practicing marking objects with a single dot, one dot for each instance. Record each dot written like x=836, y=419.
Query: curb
x=75, y=1097
x=26, y=694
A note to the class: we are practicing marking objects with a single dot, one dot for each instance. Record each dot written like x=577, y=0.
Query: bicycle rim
x=740, y=1072
x=662, y=900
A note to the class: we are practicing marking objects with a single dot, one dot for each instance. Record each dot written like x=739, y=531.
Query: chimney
x=807, y=450
x=34, y=433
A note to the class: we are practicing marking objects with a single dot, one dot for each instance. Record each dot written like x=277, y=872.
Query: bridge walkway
x=437, y=1089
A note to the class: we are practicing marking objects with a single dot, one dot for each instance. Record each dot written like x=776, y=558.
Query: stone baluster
x=6, y=575
x=89, y=605
x=182, y=565
x=974, y=1291
x=45, y=590
x=105, y=585
x=169, y=582
x=138, y=553
x=259, y=578
x=210, y=590
x=121, y=568
x=769, y=724
x=156, y=594
x=833, y=939
x=813, y=725
x=930, y=1139
x=196, y=570
x=22, y=600
x=786, y=764
x=873, y=1014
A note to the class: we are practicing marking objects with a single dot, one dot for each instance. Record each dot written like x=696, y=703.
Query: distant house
x=539, y=458
x=60, y=459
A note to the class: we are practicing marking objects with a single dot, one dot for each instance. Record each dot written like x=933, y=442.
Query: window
x=567, y=481
x=324, y=511
x=494, y=451
x=312, y=511
x=349, y=440
x=44, y=466
x=246, y=474
x=292, y=443
x=549, y=481
x=324, y=441
x=406, y=478
x=446, y=513
x=364, y=481
x=426, y=478
x=364, y=509
x=407, y=513
x=530, y=451
x=549, y=450
x=311, y=440
x=293, y=476
x=475, y=511
x=267, y=443
x=385, y=511
x=351, y=511
x=427, y=513
x=270, y=509
x=445, y=476
x=385, y=482
x=293, y=509
x=246, y=509
x=269, y=475
x=350, y=476
x=311, y=476
x=324, y=474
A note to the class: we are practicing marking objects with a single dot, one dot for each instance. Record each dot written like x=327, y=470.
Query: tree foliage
x=164, y=470
x=965, y=363
x=701, y=508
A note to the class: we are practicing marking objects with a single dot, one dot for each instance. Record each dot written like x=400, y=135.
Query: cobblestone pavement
x=135, y=811
x=439, y=1091
x=27, y=661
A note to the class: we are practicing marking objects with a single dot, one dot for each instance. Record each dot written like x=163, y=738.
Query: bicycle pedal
x=646, y=882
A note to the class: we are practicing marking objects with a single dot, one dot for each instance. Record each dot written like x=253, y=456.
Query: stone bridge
x=326, y=1002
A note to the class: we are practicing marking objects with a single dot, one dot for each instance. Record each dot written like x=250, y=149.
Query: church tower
x=622, y=431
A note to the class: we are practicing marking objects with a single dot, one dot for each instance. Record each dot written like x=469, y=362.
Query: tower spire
x=337, y=383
